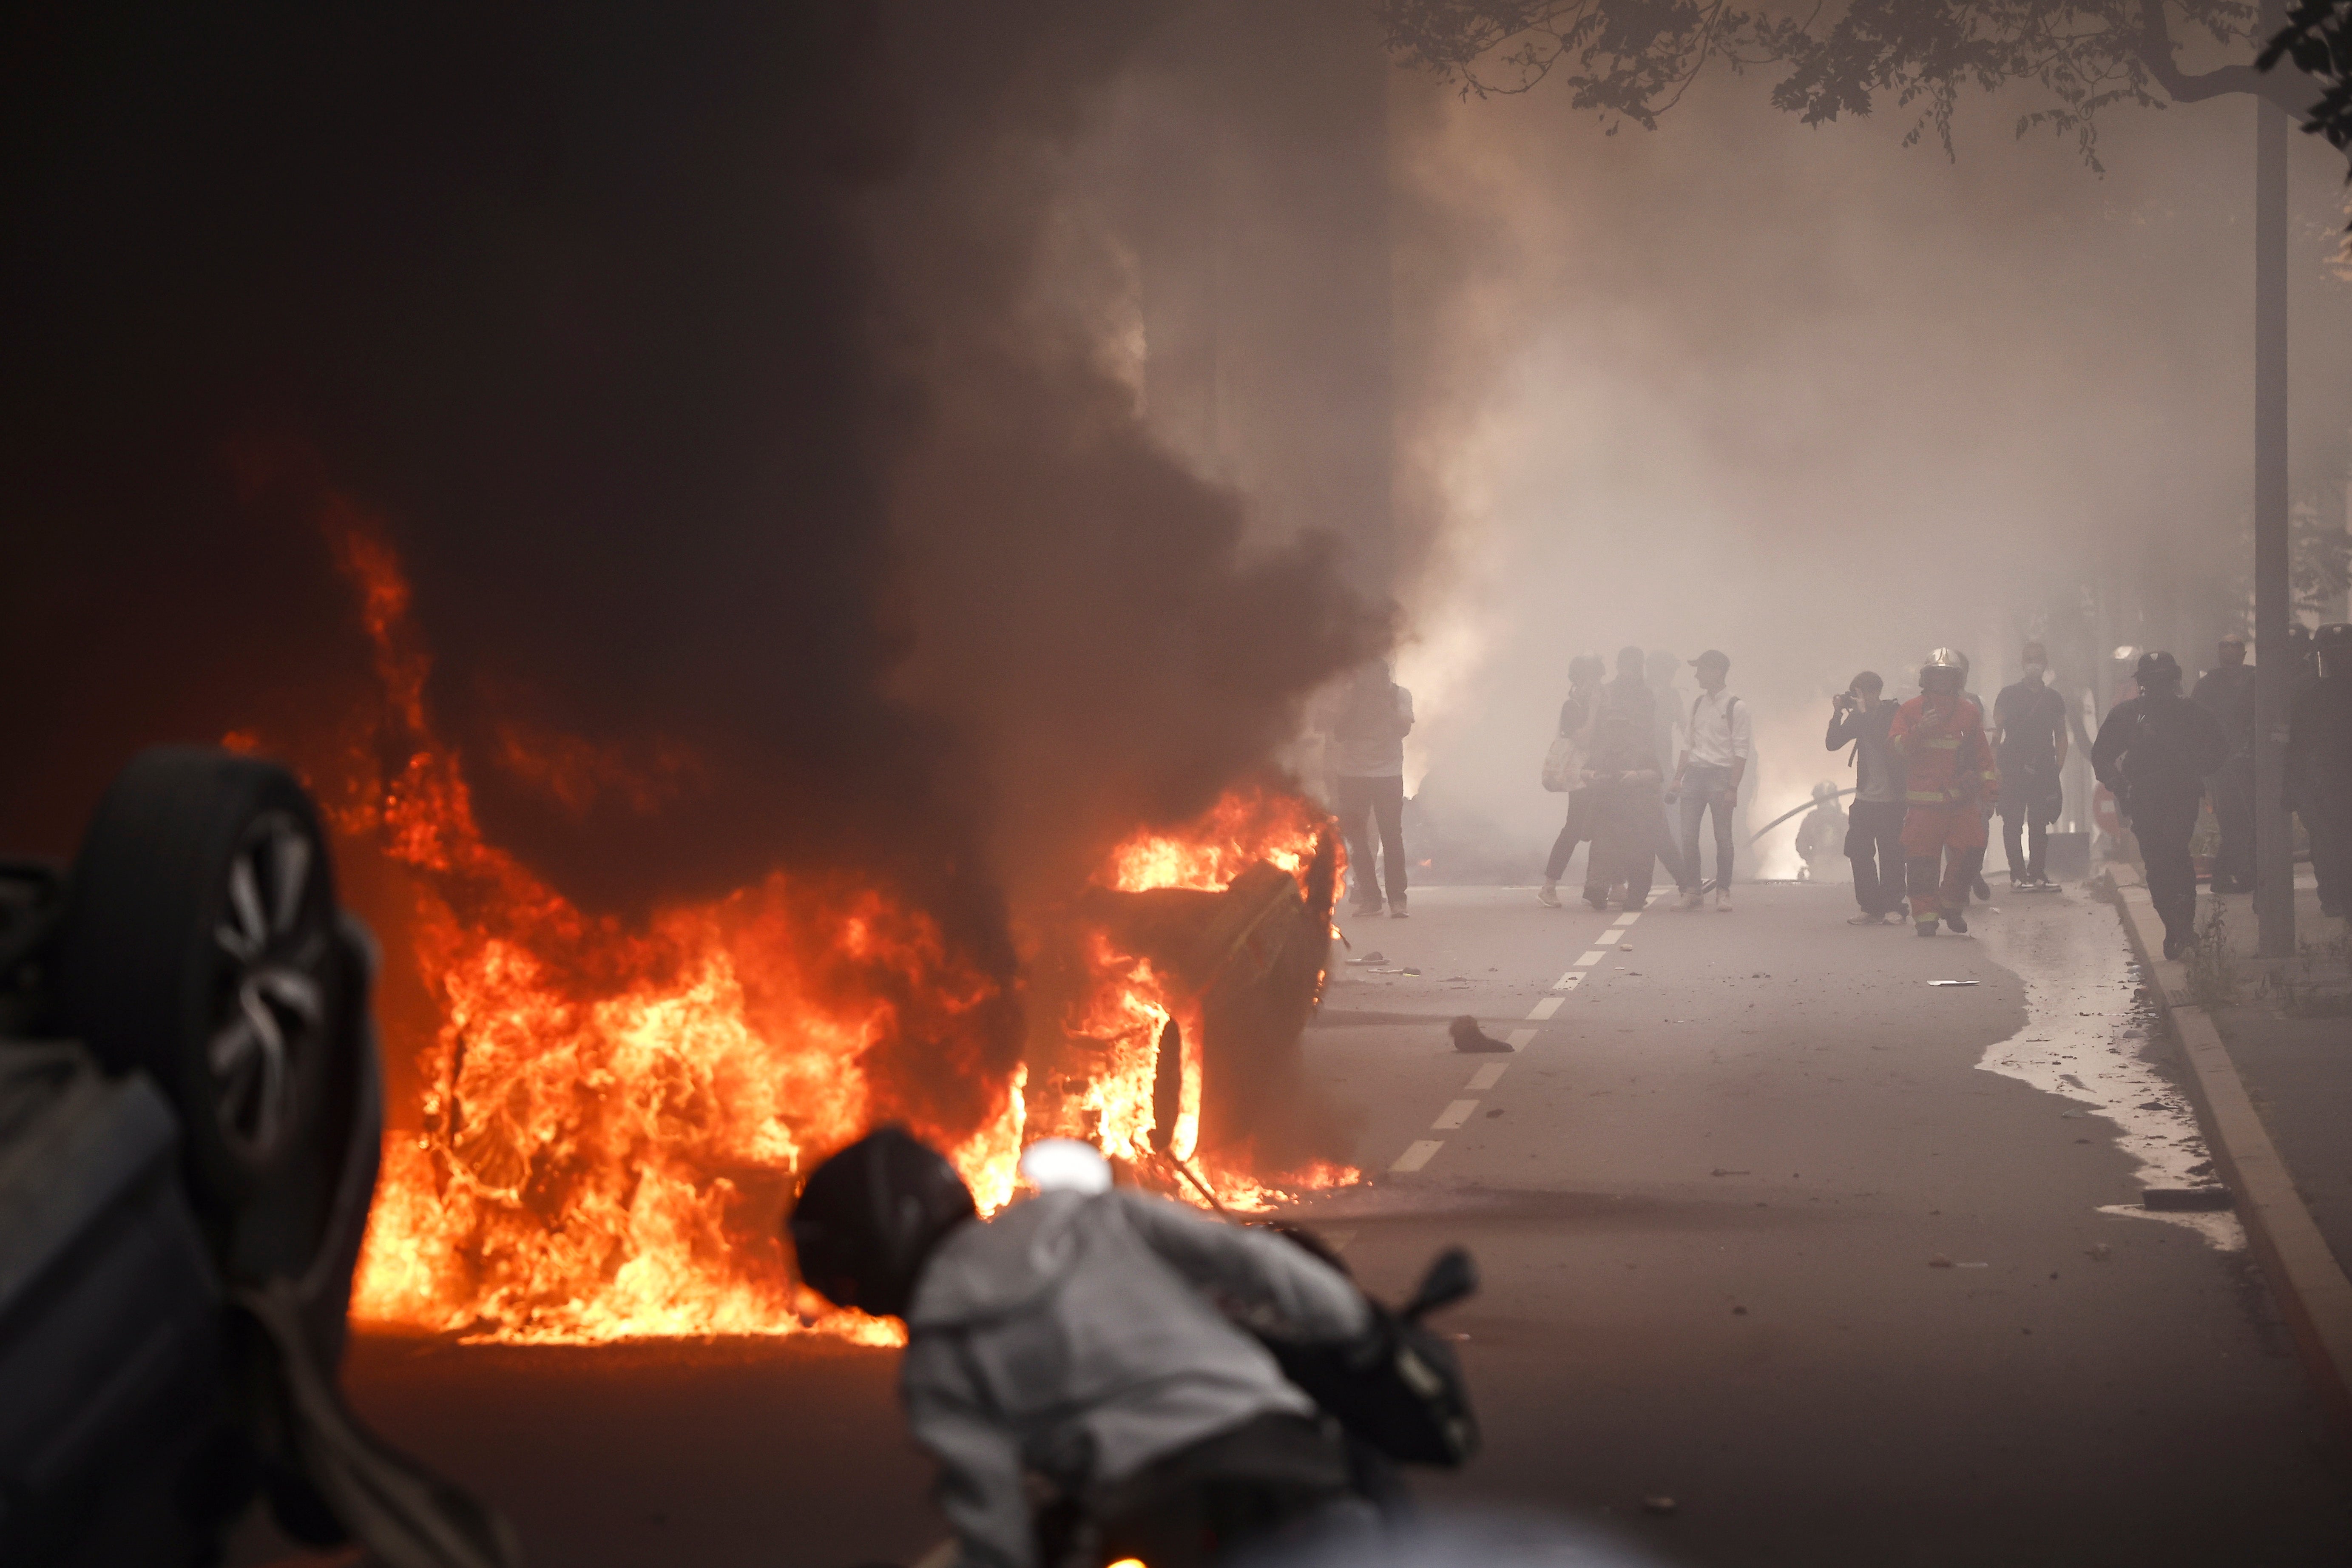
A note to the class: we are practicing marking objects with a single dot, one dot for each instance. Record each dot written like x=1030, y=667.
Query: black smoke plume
x=690, y=357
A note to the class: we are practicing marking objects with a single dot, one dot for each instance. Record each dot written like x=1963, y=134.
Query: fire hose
x=1793, y=811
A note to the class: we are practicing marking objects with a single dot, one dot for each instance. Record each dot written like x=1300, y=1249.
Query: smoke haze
x=938, y=442
x=1824, y=402
x=693, y=366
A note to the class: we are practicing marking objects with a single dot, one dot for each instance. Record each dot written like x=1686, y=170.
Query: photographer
x=1873, y=839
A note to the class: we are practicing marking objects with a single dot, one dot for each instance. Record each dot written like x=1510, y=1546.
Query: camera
x=1846, y=701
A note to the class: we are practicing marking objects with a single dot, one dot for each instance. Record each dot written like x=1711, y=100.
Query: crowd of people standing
x=1644, y=775
x=1618, y=738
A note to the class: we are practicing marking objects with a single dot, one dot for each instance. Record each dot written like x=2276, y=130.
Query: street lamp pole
x=2273, y=845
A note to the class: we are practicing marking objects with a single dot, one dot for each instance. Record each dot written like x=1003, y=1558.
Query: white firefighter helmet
x=1933, y=676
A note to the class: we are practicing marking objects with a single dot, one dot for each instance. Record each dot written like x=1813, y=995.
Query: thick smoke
x=1825, y=403
x=693, y=359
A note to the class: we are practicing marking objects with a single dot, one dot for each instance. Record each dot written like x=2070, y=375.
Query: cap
x=1712, y=655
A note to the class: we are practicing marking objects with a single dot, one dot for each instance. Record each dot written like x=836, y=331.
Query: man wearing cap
x=2154, y=753
x=1715, y=751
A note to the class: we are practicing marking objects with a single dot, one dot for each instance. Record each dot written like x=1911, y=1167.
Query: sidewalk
x=2288, y=1028
x=2270, y=1046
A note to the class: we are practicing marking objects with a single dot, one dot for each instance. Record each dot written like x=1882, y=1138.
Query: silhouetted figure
x=2153, y=754
x=1370, y=719
x=2319, y=766
x=1666, y=719
x=1576, y=717
x=1874, y=834
x=1623, y=773
x=1820, y=837
x=2030, y=745
x=2227, y=693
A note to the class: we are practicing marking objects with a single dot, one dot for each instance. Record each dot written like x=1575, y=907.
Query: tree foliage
x=1632, y=60
x=2317, y=40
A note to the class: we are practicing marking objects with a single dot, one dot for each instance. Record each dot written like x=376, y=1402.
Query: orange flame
x=614, y=1119
x=1244, y=827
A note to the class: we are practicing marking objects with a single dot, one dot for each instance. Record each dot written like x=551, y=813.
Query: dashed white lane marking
x=1418, y=1154
x=1423, y=1150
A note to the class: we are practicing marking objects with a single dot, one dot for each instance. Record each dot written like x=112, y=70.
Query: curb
x=2314, y=1295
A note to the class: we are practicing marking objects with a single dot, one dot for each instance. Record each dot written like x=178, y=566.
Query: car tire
x=199, y=944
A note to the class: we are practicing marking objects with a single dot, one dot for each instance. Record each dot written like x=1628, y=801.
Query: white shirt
x=1719, y=732
x=1374, y=752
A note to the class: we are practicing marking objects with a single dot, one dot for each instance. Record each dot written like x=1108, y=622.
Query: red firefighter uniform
x=1950, y=780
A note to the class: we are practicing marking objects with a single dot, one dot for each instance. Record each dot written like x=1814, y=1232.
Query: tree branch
x=2288, y=87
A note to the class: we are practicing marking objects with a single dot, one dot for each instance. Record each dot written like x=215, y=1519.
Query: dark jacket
x=2319, y=749
x=1866, y=734
x=2227, y=693
x=2157, y=746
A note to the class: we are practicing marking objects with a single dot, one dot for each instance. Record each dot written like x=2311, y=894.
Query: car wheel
x=199, y=944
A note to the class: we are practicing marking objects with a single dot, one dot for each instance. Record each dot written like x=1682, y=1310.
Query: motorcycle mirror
x=1452, y=1278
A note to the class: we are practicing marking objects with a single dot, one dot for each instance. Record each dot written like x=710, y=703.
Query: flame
x=614, y=1119
x=1247, y=826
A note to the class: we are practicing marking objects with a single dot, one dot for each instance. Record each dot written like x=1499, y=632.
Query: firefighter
x=1938, y=740
x=2319, y=766
x=1073, y=1342
x=1820, y=837
x=2153, y=754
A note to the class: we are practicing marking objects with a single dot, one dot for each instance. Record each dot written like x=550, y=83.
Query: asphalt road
x=1712, y=1194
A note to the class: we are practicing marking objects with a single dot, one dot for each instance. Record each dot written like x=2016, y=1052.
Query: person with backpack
x=1576, y=717
x=1102, y=1374
x=2153, y=754
x=1715, y=753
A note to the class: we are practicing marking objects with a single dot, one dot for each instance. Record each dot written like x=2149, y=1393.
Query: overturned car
x=190, y=1123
